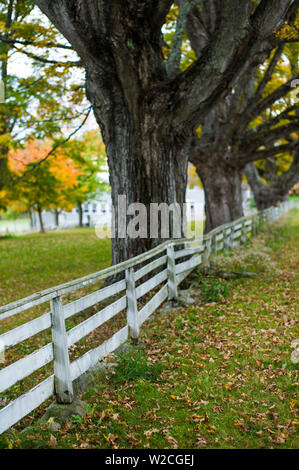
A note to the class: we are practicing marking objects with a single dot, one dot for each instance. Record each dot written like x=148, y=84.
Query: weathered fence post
x=132, y=311
x=257, y=223
x=207, y=252
x=172, y=282
x=243, y=232
x=253, y=226
x=214, y=246
x=269, y=214
x=62, y=371
x=226, y=246
x=231, y=237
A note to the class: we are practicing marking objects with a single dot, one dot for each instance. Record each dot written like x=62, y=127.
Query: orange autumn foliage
x=61, y=165
x=61, y=171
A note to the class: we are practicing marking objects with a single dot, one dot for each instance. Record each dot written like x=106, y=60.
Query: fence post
x=257, y=223
x=62, y=371
x=214, y=246
x=225, y=241
x=243, y=232
x=172, y=282
x=273, y=213
x=231, y=237
x=132, y=312
x=253, y=226
x=206, y=253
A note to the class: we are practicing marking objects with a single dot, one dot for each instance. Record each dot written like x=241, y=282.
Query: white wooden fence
x=60, y=383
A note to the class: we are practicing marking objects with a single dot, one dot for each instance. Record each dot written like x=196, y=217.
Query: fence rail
x=174, y=271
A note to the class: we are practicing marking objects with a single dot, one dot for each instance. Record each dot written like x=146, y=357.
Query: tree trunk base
x=223, y=194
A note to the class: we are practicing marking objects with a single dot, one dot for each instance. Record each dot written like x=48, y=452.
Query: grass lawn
x=216, y=374
x=30, y=263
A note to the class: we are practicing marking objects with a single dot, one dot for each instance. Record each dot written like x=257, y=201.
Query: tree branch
x=253, y=177
x=160, y=8
x=210, y=12
x=224, y=57
x=281, y=183
x=54, y=148
x=196, y=31
x=268, y=74
x=49, y=61
x=267, y=153
x=266, y=138
x=255, y=109
x=173, y=62
x=34, y=43
x=291, y=177
x=266, y=126
x=66, y=16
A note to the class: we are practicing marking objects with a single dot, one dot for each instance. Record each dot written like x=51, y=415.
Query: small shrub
x=134, y=365
x=212, y=290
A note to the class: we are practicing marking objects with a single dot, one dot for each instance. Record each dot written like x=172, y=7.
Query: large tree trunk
x=145, y=164
x=150, y=170
x=223, y=193
x=268, y=197
x=277, y=189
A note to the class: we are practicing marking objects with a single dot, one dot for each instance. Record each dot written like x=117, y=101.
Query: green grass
x=212, y=290
x=30, y=263
x=216, y=374
x=133, y=366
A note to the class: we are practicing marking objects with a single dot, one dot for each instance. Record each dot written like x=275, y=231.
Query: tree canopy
x=43, y=97
x=154, y=72
x=68, y=178
x=258, y=119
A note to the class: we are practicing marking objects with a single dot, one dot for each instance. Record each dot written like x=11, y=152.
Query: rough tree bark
x=146, y=113
x=223, y=192
x=276, y=189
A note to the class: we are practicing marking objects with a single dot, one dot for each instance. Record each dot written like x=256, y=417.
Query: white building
x=95, y=212
x=98, y=212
